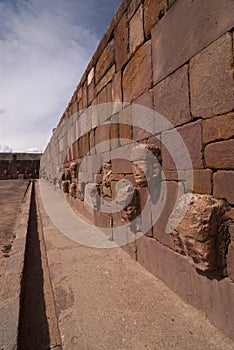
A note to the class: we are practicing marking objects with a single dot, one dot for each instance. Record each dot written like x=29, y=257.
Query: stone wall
x=19, y=165
x=175, y=58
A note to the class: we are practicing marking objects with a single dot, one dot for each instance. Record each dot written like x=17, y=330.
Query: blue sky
x=45, y=47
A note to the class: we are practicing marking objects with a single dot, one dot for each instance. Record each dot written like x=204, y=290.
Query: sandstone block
x=218, y=128
x=122, y=166
x=202, y=181
x=171, y=97
x=211, y=79
x=137, y=76
x=121, y=43
x=105, y=61
x=132, y=7
x=202, y=234
x=102, y=134
x=116, y=88
x=192, y=145
x=91, y=92
x=174, y=44
x=224, y=185
x=219, y=155
x=106, y=79
x=136, y=33
x=153, y=12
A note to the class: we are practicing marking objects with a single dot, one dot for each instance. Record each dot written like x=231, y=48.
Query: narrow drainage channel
x=34, y=329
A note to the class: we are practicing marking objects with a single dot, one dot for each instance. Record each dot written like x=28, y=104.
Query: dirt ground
x=11, y=196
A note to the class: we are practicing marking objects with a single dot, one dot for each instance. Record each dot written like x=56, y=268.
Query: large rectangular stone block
x=219, y=155
x=105, y=61
x=121, y=43
x=187, y=28
x=136, y=33
x=171, y=97
x=218, y=128
x=153, y=12
x=180, y=152
x=224, y=185
x=211, y=79
x=137, y=76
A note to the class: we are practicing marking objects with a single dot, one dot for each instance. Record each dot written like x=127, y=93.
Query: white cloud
x=44, y=48
x=5, y=149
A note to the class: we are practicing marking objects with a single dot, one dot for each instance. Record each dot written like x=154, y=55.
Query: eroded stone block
x=202, y=234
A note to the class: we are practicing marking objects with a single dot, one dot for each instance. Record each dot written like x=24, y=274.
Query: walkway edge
x=11, y=293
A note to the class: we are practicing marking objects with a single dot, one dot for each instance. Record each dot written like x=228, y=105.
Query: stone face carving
x=106, y=180
x=92, y=197
x=73, y=170
x=72, y=190
x=65, y=186
x=80, y=190
x=127, y=201
x=146, y=167
x=202, y=235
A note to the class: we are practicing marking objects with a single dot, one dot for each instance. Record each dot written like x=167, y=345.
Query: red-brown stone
x=121, y=43
x=192, y=138
x=154, y=10
x=219, y=155
x=137, y=76
x=211, y=79
x=218, y=128
x=224, y=185
x=171, y=97
x=105, y=61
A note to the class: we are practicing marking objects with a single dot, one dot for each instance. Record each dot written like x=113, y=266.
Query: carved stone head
x=145, y=163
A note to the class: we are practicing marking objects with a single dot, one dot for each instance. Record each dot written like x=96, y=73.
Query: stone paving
x=11, y=196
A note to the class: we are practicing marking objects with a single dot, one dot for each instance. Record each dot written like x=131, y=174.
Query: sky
x=45, y=46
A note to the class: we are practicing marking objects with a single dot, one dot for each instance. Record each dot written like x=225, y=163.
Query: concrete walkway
x=105, y=300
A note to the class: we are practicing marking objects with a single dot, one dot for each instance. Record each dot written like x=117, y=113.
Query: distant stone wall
x=176, y=58
x=19, y=165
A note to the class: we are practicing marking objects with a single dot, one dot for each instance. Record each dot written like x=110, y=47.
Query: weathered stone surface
x=91, y=92
x=224, y=185
x=132, y=7
x=218, y=128
x=231, y=214
x=219, y=155
x=202, y=181
x=106, y=180
x=105, y=61
x=102, y=134
x=85, y=96
x=125, y=126
x=122, y=166
x=211, y=79
x=106, y=79
x=171, y=97
x=136, y=33
x=202, y=234
x=127, y=201
x=145, y=100
x=116, y=88
x=174, y=44
x=192, y=139
x=146, y=166
x=121, y=43
x=230, y=257
x=153, y=12
x=137, y=76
